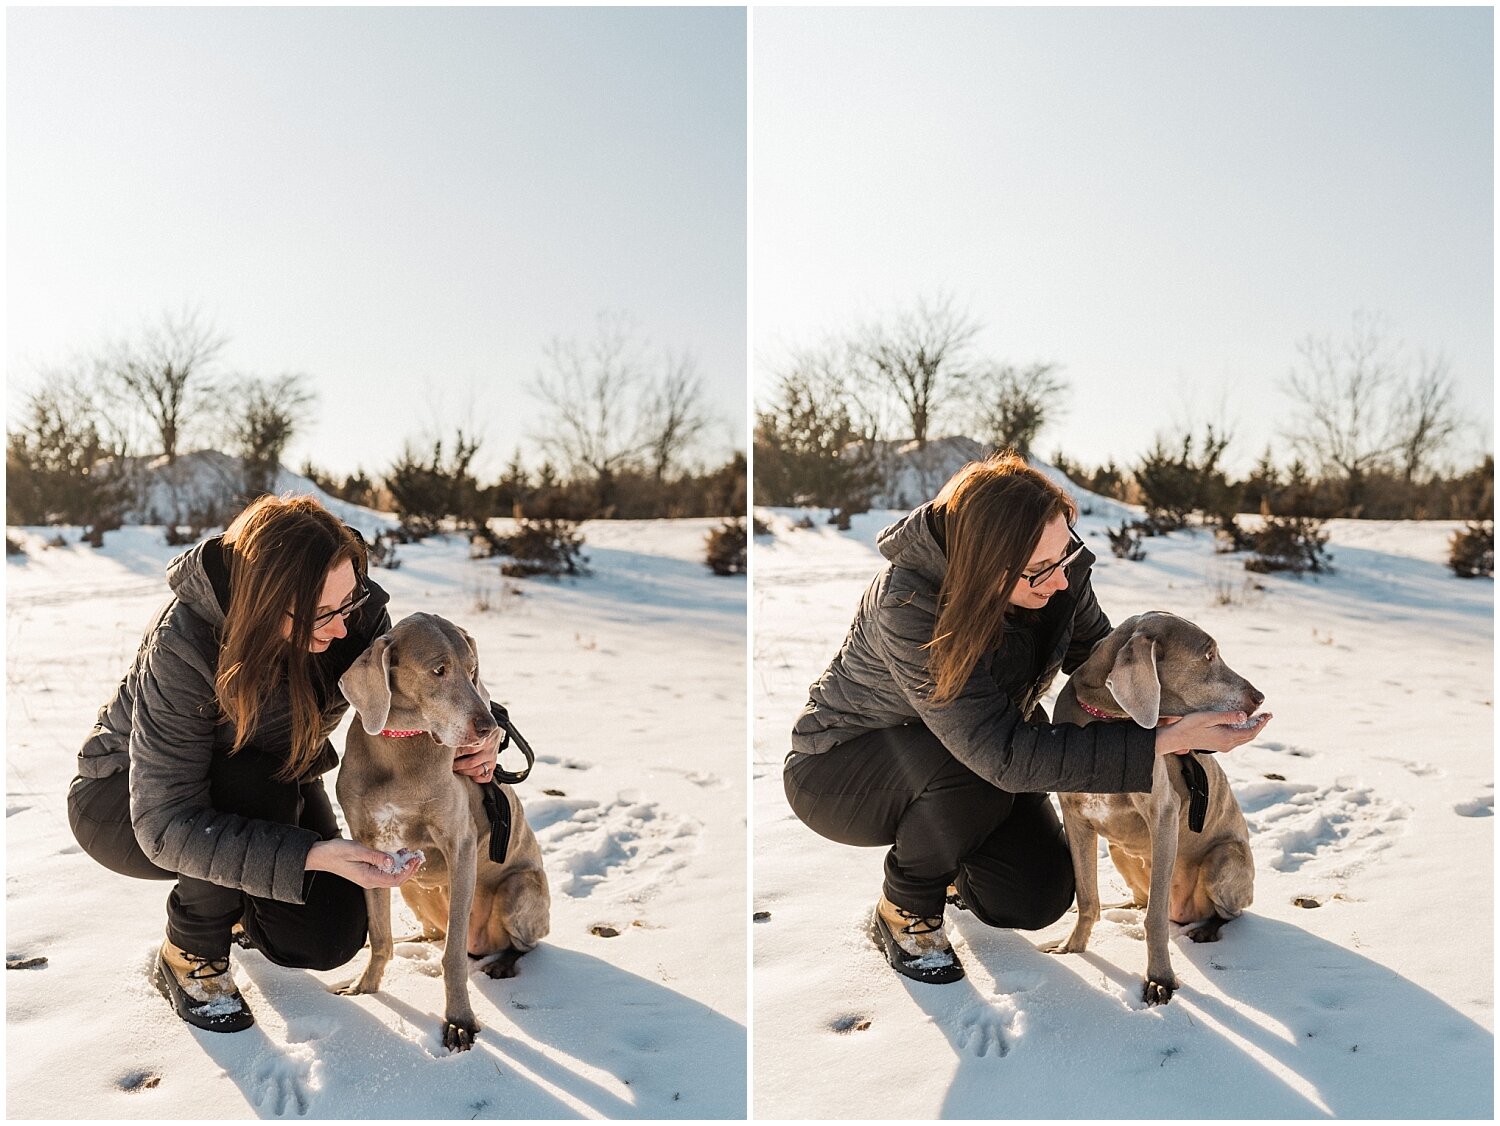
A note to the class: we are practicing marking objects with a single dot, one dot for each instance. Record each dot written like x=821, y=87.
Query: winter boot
x=916, y=945
x=201, y=989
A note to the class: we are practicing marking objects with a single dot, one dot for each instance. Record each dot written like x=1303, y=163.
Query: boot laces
x=204, y=968
x=919, y=924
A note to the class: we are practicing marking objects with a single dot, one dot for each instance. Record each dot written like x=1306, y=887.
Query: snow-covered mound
x=1359, y=984
x=913, y=474
x=200, y=486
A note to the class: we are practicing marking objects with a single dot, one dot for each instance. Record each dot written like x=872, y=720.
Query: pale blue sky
x=406, y=204
x=1162, y=200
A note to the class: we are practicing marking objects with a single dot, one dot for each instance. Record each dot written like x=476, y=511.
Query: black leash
x=1197, y=783
x=496, y=804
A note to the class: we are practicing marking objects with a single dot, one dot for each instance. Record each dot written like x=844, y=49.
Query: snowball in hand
x=399, y=859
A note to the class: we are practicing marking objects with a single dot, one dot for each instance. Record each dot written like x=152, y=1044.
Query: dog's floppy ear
x=474, y=649
x=1134, y=682
x=367, y=685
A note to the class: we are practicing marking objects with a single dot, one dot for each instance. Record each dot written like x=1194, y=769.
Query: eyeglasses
x=356, y=600
x=1075, y=549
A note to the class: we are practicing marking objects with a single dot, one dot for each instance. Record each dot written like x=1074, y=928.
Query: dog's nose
x=1256, y=700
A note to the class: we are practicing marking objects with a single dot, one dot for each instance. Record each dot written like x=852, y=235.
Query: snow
x=629, y=684
x=401, y=858
x=1370, y=794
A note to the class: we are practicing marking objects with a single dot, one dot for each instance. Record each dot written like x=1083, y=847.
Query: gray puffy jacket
x=879, y=679
x=163, y=725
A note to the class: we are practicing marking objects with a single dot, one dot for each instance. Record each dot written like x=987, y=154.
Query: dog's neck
x=390, y=733
x=1086, y=706
x=1109, y=717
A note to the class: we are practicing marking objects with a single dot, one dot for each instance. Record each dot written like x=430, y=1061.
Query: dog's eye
x=441, y=670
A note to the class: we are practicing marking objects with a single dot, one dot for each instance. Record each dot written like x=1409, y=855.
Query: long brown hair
x=280, y=551
x=994, y=512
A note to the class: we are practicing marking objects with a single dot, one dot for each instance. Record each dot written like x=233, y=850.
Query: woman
x=925, y=734
x=205, y=767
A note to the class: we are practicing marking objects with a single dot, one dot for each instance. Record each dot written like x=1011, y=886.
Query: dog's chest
x=390, y=826
x=1116, y=818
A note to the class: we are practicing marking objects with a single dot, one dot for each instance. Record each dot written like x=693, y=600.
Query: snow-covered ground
x=630, y=684
x=1370, y=797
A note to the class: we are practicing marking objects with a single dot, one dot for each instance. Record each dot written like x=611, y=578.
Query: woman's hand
x=358, y=864
x=1207, y=731
x=478, y=760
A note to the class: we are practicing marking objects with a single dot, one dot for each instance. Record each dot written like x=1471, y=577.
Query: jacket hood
x=191, y=577
x=910, y=544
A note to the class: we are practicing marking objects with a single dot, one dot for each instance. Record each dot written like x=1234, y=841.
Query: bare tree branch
x=167, y=373
x=674, y=415
x=1425, y=417
x=589, y=390
x=1342, y=389
x=1014, y=404
x=265, y=414
x=919, y=355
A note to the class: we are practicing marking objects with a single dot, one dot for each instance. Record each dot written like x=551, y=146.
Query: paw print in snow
x=986, y=1031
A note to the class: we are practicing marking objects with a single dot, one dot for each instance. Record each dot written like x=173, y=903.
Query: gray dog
x=420, y=701
x=1152, y=667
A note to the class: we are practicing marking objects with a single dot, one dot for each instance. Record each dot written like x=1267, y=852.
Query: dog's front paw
x=458, y=1035
x=1158, y=991
x=354, y=987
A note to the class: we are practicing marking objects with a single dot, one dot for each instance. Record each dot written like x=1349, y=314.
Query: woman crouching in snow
x=925, y=732
x=205, y=767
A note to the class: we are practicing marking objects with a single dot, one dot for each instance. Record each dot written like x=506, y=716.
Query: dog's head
x=421, y=676
x=1160, y=664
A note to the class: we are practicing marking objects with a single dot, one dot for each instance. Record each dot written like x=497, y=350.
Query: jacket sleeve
x=1090, y=626
x=171, y=747
x=984, y=730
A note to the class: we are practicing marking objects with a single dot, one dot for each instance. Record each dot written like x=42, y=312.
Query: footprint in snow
x=284, y=1084
x=585, y=842
x=1293, y=823
x=1482, y=806
x=565, y=763
x=987, y=1030
x=1285, y=749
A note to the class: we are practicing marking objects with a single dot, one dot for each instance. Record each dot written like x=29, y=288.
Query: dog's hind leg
x=1228, y=877
x=516, y=920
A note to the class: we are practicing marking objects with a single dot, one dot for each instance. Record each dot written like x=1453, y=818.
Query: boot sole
x=182, y=1004
x=919, y=967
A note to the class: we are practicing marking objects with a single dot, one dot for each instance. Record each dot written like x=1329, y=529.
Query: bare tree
x=1013, y=404
x=674, y=415
x=590, y=390
x=265, y=414
x=919, y=355
x=167, y=373
x=1425, y=418
x=1341, y=389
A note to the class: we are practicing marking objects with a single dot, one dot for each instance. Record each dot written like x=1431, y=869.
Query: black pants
x=901, y=787
x=324, y=931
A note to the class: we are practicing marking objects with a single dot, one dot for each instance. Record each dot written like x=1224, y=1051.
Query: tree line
x=1370, y=429
x=617, y=423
